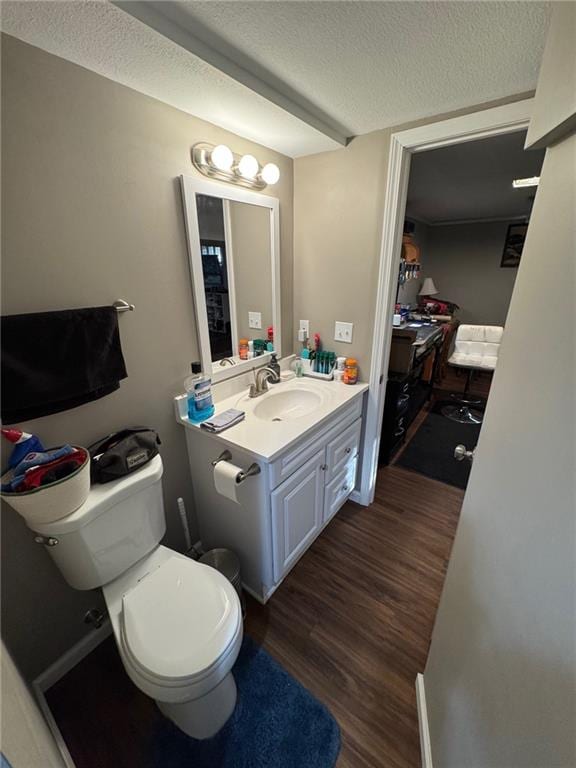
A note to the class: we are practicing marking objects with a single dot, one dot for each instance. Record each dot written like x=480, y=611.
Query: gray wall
x=464, y=262
x=92, y=213
x=501, y=674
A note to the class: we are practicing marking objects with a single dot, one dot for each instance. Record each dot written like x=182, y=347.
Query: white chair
x=476, y=349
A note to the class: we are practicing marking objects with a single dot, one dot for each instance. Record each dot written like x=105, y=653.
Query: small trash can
x=228, y=563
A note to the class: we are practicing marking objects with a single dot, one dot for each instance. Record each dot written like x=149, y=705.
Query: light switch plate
x=255, y=319
x=305, y=326
x=343, y=331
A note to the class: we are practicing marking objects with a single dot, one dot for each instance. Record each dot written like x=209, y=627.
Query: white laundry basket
x=49, y=503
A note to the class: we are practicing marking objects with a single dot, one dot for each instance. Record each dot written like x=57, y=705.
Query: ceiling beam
x=170, y=20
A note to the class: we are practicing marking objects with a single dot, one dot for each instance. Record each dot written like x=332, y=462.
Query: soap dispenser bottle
x=199, y=395
x=275, y=366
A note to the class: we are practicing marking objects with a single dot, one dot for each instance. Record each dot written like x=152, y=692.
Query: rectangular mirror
x=233, y=244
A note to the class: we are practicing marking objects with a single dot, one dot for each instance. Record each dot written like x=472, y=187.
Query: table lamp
x=428, y=288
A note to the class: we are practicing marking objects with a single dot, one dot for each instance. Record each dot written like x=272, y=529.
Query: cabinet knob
x=344, y=488
x=323, y=467
x=348, y=450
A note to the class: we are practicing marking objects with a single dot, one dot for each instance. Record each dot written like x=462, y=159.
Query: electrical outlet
x=254, y=319
x=343, y=332
x=305, y=326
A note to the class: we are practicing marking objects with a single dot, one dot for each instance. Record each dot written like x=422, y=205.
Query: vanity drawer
x=342, y=449
x=339, y=489
x=289, y=462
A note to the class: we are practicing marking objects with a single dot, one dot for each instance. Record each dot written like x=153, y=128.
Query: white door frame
x=457, y=130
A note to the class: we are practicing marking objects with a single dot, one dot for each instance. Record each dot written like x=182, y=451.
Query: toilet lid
x=180, y=619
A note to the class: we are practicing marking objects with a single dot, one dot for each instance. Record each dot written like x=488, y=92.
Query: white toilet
x=177, y=623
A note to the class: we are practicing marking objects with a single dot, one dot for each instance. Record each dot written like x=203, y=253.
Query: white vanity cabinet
x=281, y=510
x=312, y=495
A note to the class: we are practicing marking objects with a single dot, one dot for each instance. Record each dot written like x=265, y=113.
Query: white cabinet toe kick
x=283, y=509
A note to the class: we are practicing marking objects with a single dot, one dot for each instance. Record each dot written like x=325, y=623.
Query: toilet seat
x=180, y=623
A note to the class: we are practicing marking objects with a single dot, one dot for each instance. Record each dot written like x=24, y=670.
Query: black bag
x=121, y=453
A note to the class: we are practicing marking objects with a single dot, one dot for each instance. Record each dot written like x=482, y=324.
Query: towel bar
x=122, y=306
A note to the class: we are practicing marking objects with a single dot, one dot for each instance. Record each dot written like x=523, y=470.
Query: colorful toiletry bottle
x=351, y=371
x=199, y=395
x=317, y=348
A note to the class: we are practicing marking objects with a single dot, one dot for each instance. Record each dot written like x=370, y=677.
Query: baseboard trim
x=68, y=660
x=425, y=746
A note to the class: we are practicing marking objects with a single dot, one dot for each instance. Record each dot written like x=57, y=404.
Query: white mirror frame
x=192, y=186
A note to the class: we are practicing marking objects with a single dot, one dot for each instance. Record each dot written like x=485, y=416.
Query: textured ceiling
x=472, y=181
x=105, y=39
x=364, y=65
x=376, y=64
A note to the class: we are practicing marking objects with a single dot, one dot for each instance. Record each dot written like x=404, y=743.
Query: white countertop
x=266, y=439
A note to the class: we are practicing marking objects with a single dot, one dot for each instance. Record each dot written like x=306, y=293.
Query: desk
x=410, y=343
x=414, y=358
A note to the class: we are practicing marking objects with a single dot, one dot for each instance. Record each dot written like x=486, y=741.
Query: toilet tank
x=118, y=524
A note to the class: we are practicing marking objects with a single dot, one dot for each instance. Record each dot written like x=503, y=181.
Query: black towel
x=54, y=361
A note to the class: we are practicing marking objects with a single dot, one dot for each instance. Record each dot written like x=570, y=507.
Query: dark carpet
x=431, y=450
x=277, y=723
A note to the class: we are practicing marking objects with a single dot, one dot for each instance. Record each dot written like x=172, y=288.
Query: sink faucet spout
x=261, y=384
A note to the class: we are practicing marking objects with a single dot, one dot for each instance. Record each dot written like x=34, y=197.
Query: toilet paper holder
x=252, y=470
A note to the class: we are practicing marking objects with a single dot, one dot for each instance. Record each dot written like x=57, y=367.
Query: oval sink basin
x=287, y=406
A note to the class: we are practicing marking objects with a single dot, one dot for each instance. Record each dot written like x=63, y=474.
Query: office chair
x=476, y=349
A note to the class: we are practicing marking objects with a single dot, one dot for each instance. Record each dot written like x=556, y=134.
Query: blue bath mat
x=277, y=723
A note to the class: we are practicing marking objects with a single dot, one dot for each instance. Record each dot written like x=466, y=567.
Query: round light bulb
x=221, y=157
x=270, y=173
x=248, y=166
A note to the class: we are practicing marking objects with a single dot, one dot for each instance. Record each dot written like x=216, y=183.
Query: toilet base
x=202, y=718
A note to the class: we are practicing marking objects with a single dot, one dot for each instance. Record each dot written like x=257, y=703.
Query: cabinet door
x=297, y=513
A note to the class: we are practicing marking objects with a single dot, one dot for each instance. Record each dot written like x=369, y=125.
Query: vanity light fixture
x=220, y=163
x=531, y=181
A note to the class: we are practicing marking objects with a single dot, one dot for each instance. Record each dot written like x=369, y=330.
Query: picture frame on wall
x=513, y=245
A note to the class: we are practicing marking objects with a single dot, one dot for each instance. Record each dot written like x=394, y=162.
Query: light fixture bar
x=224, y=165
x=531, y=181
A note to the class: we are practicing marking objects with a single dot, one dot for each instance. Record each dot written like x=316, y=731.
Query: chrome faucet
x=261, y=381
x=228, y=360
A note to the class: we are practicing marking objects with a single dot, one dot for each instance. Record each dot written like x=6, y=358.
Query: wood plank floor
x=352, y=622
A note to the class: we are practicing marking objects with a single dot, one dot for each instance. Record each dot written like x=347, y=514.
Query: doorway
x=467, y=213
x=405, y=145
